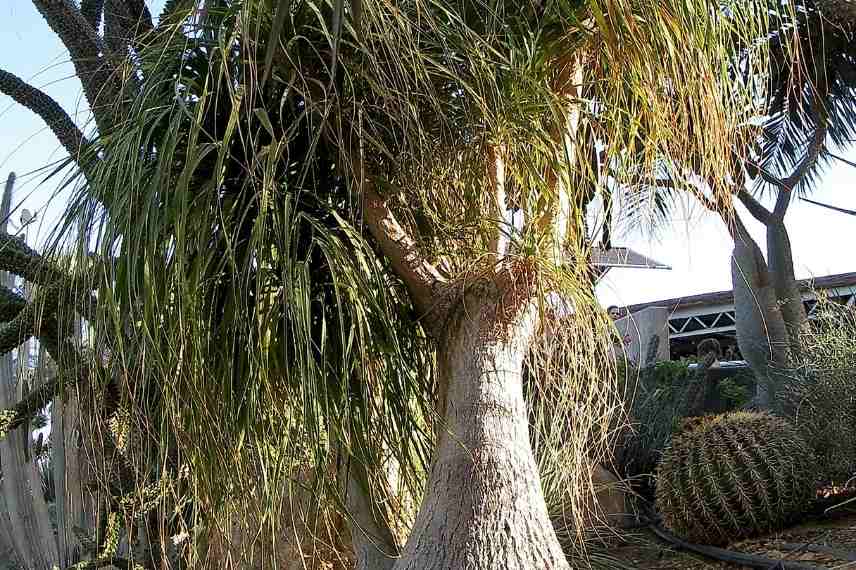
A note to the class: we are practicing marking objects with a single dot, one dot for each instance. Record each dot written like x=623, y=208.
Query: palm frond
x=812, y=86
x=267, y=329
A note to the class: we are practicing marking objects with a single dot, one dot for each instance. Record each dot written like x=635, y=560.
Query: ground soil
x=837, y=530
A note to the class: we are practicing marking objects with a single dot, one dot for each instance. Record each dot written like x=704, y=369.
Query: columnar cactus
x=734, y=475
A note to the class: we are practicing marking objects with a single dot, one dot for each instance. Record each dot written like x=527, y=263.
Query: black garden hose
x=721, y=554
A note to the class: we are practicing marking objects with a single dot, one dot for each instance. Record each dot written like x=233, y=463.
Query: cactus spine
x=734, y=475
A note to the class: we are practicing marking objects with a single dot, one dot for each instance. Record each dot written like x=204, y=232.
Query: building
x=711, y=315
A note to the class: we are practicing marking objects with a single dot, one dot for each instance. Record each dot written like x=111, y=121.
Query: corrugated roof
x=623, y=257
x=723, y=297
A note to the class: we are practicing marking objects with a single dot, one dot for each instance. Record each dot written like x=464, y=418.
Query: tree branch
x=420, y=277
x=569, y=84
x=40, y=103
x=101, y=85
x=116, y=33
x=141, y=18
x=755, y=208
x=783, y=200
x=786, y=185
x=496, y=175
x=735, y=226
x=812, y=154
x=126, y=22
x=92, y=10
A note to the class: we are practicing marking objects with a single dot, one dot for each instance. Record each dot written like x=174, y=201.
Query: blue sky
x=695, y=244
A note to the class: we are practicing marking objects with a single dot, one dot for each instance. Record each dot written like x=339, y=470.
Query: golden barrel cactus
x=734, y=475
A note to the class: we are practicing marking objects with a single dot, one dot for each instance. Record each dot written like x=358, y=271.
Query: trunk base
x=484, y=508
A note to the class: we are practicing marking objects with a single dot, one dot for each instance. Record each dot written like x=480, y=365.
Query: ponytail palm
x=340, y=229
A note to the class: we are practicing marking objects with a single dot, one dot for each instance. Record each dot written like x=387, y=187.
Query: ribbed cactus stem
x=734, y=475
x=10, y=304
x=18, y=258
x=35, y=318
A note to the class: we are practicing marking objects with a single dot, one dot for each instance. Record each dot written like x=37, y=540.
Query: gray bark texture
x=761, y=332
x=8, y=539
x=484, y=508
x=29, y=528
x=785, y=283
x=67, y=461
x=374, y=545
x=8, y=553
x=22, y=487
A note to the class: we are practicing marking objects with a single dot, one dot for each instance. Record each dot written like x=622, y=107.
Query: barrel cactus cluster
x=734, y=475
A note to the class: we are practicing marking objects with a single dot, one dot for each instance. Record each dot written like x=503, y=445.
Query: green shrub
x=822, y=404
x=734, y=475
x=830, y=342
x=820, y=393
x=658, y=400
x=735, y=389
